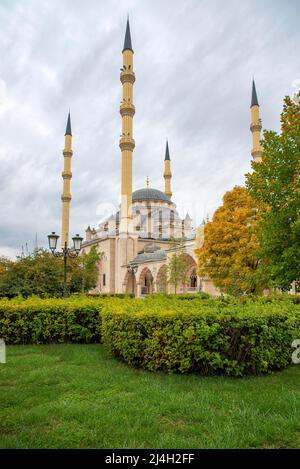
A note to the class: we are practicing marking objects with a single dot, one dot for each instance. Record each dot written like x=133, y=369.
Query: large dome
x=150, y=194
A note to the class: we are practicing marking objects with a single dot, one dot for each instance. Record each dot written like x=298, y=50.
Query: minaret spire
x=254, y=101
x=127, y=144
x=167, y=173
x=255, y=126
x=68, y=128
x=167, y=154
x=127, y=41
x=66, y=175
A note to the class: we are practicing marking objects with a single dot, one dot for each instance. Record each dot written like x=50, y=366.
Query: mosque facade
x=137, y=242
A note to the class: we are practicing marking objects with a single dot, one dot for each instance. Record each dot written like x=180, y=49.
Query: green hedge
x=208, y=337
x=41, y=321
x=110, y=295
x=181, y=296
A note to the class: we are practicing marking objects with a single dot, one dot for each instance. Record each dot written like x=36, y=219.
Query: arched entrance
x=130, y=283
x=190, y=282
x=161, y=280
x=146, y=281
x=193, y=285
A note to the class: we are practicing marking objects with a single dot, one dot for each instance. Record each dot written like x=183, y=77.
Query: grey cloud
x=194, y=62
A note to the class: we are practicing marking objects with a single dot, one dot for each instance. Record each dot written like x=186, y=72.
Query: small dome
x=151, y=248
x=150, y=194
x=151, y=253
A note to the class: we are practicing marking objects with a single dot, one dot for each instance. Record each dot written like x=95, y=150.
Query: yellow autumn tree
x=229, y=255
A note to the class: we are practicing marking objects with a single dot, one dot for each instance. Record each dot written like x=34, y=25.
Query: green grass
x=78, y=396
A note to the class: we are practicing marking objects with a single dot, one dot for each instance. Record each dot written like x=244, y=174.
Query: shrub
x=205, y=337
x=181, y=296
x=43, y=321
x=163, y=332
x=110, y=295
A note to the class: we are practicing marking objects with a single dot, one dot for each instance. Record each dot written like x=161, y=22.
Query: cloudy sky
x=194, y=61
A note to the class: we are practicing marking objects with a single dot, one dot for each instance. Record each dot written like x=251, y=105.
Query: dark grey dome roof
x=151, y=248
x=149, y=194
x=151, y=253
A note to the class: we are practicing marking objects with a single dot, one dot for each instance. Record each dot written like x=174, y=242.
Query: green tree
x=276, y=182
x=42, y=274
x=163, y=280
x=5, y=263
x=90, y=268
x=177, y=266
x=38, y=274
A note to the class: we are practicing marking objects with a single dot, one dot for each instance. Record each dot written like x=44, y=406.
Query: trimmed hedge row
x=110, y=295
x=181, y=296
x=162, y=333
x=208, y=337
x=44, y=321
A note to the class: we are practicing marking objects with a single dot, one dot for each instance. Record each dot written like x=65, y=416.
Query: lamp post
x=66, y=252
x=132, y=268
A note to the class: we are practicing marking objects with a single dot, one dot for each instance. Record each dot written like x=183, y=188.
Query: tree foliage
x=229, y=252
x=4, y=266
x=90, y=271
x=276, y=182
x=177, y=266
x=42, y=274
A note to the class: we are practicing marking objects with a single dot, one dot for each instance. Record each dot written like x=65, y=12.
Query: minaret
x=167, y=173
x=66, y=175
x=127, y=143
x=255, y=127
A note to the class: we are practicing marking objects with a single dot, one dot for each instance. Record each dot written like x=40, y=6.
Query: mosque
x=137, y=242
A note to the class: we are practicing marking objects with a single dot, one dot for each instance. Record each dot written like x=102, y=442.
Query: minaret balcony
x=68, y=153
x=256, y=153
x=66, y=175
x=66, y=197
x=126, y=143
x=256, y=126
x=127, y=109
x=127, y=76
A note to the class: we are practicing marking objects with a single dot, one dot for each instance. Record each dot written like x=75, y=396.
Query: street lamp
x=132, y=268
x=52, y=238
x=66, y=252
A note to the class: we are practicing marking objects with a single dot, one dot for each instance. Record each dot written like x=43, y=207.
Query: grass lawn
x=77, y=396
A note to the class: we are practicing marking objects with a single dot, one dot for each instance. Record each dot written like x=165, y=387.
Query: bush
x=163, y=332
x=205, y=337
x=181, y=296
x=44, y=321
x=110, y=295
x=41, y=274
